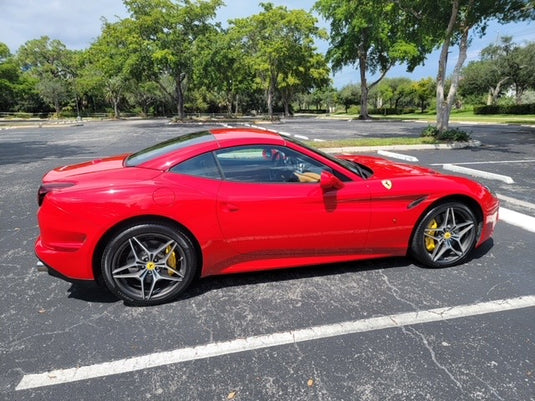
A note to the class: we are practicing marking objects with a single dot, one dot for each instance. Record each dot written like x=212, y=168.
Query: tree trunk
x=364, y=89
x=495, y=92
x=269, y=98
x=237, y=103
x=442, y=113
x=57, y=107
x=229, y=105
x=116, y=112
x=286, y=107
x=519, y=91
x=444, y=118
x=180, y=100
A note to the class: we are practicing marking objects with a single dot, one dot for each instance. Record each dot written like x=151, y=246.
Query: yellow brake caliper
x=171, y=261
x=430, y=243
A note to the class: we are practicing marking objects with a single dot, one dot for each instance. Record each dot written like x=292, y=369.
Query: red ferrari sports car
x=239, y=199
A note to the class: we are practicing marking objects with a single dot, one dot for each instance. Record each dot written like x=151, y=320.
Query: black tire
x=148, y=264
x=445, y=236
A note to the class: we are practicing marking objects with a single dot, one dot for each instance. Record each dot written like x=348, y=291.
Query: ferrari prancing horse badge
x=387, y=184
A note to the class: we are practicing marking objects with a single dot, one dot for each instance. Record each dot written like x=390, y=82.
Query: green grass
x=456, y=116
x=344, y=143
x=466, y=116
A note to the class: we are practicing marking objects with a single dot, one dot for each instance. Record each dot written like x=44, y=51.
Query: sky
x=77, y=23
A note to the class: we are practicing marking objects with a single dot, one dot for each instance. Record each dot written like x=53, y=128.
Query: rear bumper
x=70, y=265
x=43, y=268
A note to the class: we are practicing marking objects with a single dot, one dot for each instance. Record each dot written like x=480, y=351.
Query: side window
x=201, y=166
x=264, y=164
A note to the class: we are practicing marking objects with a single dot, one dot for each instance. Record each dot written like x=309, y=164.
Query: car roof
x=222, y=138
x=239, y=134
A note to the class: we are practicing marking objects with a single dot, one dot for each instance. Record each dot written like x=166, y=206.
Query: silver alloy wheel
x=446, y=235
x=452, y=237
x=148, y=266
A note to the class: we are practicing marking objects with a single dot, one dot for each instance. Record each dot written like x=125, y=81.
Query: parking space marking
x=478, y=173
x=517, y=219
x=62, y=376
x=397, y=156
x=517, y=202
x=489, y=162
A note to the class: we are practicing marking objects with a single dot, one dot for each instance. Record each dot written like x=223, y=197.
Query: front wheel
x=148, y=264
x=445, y=236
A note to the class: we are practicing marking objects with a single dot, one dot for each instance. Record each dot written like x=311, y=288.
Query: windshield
x=354, y=167
x=171, y=145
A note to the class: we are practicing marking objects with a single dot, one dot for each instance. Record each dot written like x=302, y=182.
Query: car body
x=237, y=200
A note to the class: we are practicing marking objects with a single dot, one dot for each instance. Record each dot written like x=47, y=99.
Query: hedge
x=389, y=111
x=506, y=109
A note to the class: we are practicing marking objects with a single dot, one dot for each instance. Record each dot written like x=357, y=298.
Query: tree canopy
x=374, y=35
x=171, y=57
x=278, y=45
x=451, y=23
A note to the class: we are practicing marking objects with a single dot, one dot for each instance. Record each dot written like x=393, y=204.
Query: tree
x=498, y=67
x=374, y=35
x=324, y=97
x=349, y=95
x=279, y=44
x=145, y=95
x=502, y=65
x=521, y=69
x=51, y=63
x=167, y=32
x=222, y=66
x=9, y=76
x=451, y=23
x=384, y=94
x=481, y=79
x=401, y=91
x=423, y=91
x=112, y=61
x=310, y=71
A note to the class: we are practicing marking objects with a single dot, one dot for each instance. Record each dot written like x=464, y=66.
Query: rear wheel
x=445, y=236
x=148, y=264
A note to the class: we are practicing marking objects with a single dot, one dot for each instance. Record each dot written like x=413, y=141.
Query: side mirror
x=329, y=181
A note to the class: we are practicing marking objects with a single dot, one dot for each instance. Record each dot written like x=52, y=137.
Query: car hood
x=383, y=168
x=93, y=166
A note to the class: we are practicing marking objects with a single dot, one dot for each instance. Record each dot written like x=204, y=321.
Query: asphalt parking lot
x=375, y=330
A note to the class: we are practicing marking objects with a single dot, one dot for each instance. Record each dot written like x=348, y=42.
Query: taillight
x=48, y=187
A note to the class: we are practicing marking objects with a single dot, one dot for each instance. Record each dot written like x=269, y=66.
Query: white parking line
x=478, y=173
x=126, y=365
x=397, y=155
x=517, y=219
x=489, y=162
x=518, y=202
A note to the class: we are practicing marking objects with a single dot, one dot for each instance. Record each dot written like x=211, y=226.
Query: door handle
x=230, y=207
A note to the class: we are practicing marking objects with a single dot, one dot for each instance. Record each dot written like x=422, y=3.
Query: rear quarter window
x=200, y=166
x=169, y=146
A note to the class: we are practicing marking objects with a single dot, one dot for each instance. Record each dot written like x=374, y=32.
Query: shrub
x=454, y=134
x=429, y=131
x=354, y=110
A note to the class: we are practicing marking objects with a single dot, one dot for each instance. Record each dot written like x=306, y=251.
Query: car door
x=271, y=204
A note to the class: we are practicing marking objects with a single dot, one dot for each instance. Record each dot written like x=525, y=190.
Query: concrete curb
x=438, y=146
